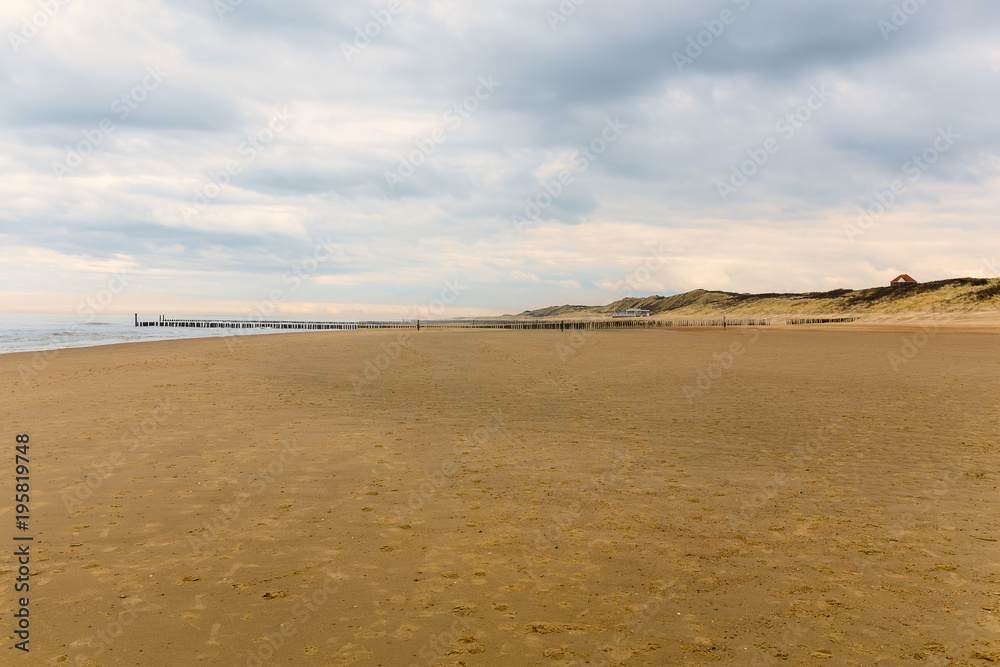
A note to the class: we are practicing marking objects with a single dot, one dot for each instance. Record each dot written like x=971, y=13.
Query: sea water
x=28, y=333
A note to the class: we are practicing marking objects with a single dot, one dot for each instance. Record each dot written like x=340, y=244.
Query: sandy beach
x=773, y=496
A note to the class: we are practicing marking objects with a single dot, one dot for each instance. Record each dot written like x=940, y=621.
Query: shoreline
x=989, y=323
x=152, y=340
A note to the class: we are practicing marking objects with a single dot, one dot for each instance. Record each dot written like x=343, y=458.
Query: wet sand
x=783, y=496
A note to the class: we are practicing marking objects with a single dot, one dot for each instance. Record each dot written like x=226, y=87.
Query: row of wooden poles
x=561, y=325
x=828, y=320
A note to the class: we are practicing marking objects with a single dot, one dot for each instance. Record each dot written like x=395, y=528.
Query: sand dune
x=964, y=298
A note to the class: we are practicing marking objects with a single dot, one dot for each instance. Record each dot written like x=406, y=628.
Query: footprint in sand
x=404, y=632
x=371, y=632
x=542, y=628
x=463, y=609
x=472, y=645
x=992, y=656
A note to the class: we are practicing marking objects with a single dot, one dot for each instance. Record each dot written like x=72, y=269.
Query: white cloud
x=324, y=175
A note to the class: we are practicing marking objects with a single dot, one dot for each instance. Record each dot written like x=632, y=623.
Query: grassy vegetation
x=955, y=295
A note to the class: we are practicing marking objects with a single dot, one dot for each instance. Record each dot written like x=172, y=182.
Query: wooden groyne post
x=520, y=325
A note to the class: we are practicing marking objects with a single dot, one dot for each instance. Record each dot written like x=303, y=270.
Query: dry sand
x=512, y=498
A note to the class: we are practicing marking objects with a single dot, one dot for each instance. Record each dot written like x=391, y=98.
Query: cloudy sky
x=397, y=158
